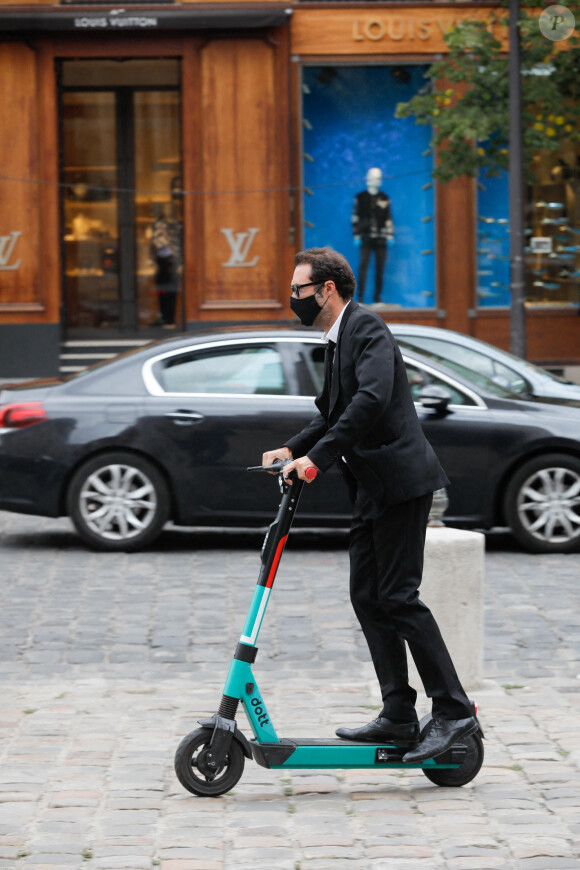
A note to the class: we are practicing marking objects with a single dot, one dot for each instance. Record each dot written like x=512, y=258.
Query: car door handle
x=185, y=418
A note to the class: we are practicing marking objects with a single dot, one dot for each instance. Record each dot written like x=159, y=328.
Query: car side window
x=314, y=358
x=239, y=370
x=419, y=378
x=467, y=358
x=309, y=366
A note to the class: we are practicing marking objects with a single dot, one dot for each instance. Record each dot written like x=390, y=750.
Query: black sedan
x=166, y=433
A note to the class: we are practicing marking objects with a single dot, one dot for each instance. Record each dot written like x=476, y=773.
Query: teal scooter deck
x=210, y=760
x=306, y=753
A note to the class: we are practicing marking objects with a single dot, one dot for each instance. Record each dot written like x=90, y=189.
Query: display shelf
x=87, y=203
x=103, y=168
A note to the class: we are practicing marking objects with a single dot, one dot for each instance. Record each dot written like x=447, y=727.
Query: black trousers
x=379, y=246
x=386, y=566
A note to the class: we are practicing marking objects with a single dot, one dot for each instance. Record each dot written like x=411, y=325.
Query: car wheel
x=118, y=501
x=542, y=504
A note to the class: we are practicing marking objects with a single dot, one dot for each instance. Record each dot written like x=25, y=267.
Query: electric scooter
x=210, y=760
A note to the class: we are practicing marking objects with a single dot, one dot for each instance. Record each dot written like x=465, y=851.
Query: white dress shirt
x=332, y=334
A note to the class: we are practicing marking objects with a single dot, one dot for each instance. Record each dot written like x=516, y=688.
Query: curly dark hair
x=328, y=265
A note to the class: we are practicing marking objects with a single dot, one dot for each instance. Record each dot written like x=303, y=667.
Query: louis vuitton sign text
x=317, y=31
x=400, y=28
x=104, y=22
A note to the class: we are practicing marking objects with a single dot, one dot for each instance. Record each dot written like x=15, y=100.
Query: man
x=368, y=425
x=372, y=227
x=165, y=250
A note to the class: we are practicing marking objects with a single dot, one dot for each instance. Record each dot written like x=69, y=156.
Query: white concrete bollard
x=452, y=588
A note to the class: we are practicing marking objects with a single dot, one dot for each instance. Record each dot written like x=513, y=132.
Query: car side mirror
x=435, y=398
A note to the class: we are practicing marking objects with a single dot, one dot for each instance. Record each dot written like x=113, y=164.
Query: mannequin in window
x=165, y=250
x=372, y=227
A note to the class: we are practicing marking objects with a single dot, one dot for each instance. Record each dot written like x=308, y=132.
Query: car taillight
x=21, y=414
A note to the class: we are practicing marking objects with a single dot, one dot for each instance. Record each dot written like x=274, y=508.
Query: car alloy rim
x=549, y=505
x=118, y=502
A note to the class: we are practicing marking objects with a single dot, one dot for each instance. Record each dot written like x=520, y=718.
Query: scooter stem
x=272, y=550
x=240, y=683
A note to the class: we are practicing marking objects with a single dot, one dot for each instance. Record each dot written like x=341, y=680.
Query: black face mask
x=306, y=309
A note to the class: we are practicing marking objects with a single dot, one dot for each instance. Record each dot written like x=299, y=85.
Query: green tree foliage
x=470, y=117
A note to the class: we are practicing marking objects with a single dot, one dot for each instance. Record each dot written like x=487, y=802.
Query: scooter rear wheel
x=467, y=771
x=195, y=775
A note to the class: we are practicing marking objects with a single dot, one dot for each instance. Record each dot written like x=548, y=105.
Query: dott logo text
x=259, y=711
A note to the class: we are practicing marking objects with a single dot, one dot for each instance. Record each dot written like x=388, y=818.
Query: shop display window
x=493, y=242
x=552, y=228
x=368, y=190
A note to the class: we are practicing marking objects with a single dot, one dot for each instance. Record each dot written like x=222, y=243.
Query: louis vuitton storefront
x=165, y=163
x=147, y=172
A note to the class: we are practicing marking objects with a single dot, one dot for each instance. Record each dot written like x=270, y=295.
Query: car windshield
x=477, y=359
x=476, y=378
x=538, y=370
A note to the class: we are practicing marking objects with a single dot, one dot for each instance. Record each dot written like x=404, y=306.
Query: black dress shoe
x=440, y=736
x=383, y=730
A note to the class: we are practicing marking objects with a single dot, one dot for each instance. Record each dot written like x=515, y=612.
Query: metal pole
x=516, y=187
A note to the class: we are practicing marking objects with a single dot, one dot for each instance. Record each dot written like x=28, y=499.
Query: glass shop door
x=121, y=195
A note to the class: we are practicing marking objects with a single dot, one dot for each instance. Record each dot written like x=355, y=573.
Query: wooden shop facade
x=161, y=164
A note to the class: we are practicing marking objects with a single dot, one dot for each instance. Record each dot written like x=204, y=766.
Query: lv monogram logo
x=240, y=244
x=7, y=245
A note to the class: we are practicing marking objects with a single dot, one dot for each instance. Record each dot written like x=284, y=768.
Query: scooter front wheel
x=466, y=771
x=193, y=768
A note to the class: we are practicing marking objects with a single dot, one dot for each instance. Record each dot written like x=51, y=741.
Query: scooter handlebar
x=277, y=465
x=310, y=472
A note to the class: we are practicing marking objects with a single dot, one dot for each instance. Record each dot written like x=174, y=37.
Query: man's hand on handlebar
x=303, y=467
x=272, y=456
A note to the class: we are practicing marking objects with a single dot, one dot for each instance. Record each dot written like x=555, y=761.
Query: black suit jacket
x=371, y=215
x=369, y=417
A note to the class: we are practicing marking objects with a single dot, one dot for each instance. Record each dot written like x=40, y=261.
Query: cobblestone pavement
x=107, y=661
